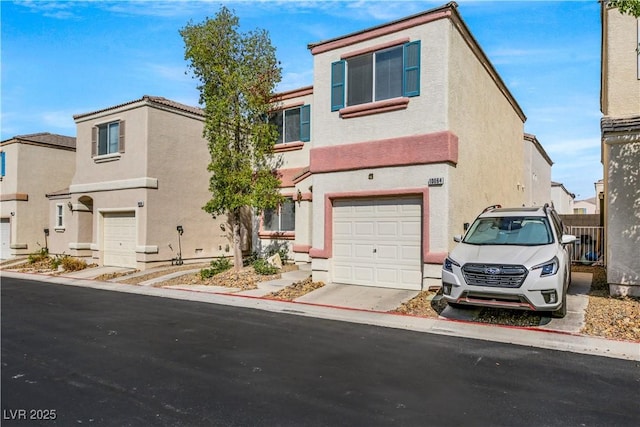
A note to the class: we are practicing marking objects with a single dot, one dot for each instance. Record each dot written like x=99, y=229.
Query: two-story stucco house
x=30, y=166
x=141, y=172
x=412, y=134
x=620, y=128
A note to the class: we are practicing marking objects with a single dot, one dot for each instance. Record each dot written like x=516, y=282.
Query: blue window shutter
x=2, y=163
x=305, y=123
x=411, y=85
x=337, y=85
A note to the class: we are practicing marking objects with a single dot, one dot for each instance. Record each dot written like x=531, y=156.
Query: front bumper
x=529, y=296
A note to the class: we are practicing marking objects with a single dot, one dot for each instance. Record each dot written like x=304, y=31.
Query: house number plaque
x=436, y=181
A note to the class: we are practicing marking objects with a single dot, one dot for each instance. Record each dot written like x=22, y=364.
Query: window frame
x=304, y=124
x=59, y=216
x=278, y=214
x=410, y=75
x=111, y=152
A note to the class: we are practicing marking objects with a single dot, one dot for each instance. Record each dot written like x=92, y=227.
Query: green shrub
x=56, y=261
x=250, y=259
x=261, y=266
x=217, y=266
x=38, y=256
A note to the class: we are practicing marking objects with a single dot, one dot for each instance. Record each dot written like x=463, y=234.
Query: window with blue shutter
x=412, y=69
x=376, y=76
x=305, y=123
x=2, y=163
x=293, y=124
x=337, y=85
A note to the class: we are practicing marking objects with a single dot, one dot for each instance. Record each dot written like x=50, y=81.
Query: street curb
x=525, y=336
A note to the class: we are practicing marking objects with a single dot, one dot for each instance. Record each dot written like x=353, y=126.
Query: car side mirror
x=567, y=238
x=458, y=238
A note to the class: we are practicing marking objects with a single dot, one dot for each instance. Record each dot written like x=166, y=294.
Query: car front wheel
x=562, y=311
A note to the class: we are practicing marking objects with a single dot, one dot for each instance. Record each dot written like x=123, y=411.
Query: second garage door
x=120, y=239
x=377, y=242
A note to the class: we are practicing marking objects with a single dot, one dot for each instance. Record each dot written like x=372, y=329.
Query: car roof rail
x=490, y=208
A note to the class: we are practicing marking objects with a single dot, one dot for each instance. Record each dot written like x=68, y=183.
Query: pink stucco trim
x=304, y=175
x=380, y=31
x=440, y=147
x=374, y=108
x=287, y=175
x=288, y=146
x=307, y=90
x=435, y=257
x=301, y=248
x=374, y=48
x=277, y=235
x=326, y=252
x=287, y=106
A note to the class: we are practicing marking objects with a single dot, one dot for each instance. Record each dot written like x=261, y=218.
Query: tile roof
x=45, y=138
x=159, y=100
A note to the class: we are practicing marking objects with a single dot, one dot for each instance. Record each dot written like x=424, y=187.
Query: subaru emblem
x=492, y=270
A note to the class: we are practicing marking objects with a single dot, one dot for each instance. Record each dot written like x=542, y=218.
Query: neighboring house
x=413, y=133
x=585, y=207
x=537, y=172
x=562, y=198
x=30, y=166
x=141, y=171
x=620, y=126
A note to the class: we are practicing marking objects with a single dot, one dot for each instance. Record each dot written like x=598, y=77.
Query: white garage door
x=377, y=242
x=5, y=235
x=120, y=239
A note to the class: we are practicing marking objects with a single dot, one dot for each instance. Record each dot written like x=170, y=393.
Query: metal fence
x=589, y=247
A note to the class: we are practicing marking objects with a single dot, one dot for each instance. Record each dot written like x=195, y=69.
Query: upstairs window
x=108, y=138
x=3, y=163
x=281, y=219
x=376, y=76
x=293, y=124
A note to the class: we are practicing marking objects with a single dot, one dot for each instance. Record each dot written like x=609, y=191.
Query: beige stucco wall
x=34, y=170
x=621, y=151
x=490, y=131
x=622, y=215
x=537, y=176
x=620, y=61
x=562, y=201
x=178, y=157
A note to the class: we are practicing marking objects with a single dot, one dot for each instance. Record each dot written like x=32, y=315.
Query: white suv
x=512, y=258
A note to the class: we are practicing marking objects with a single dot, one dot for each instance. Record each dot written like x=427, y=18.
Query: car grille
x=495, y=275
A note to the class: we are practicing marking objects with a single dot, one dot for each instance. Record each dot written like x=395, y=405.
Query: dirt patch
x=425, y=304
x=295, y=290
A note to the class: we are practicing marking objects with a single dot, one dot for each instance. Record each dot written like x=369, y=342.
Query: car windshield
x=510, y=230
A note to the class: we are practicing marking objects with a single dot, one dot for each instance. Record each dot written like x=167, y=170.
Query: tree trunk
x=237, y=241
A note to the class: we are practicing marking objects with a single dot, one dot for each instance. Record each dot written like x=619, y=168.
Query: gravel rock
x=295, y=290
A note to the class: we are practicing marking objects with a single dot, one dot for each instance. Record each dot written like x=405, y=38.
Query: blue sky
x=61, y=58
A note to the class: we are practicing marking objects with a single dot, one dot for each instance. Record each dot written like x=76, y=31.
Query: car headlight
x=449, y=263
x=549, y=268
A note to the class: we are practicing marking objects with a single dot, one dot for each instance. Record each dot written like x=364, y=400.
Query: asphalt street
x=79, y=356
